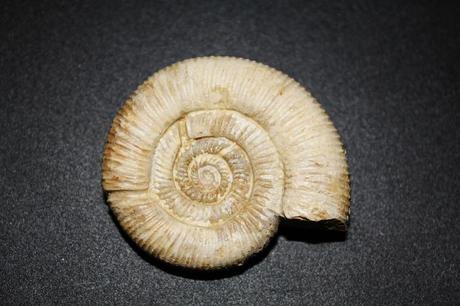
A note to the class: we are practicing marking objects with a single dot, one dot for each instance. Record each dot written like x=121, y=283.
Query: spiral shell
x=206, y=156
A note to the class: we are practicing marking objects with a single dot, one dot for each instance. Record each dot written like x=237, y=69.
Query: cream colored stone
x=206, y=156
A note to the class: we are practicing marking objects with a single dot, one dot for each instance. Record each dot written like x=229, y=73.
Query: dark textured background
x=387, y=73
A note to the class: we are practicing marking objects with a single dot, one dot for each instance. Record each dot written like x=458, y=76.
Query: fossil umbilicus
x=206, y=156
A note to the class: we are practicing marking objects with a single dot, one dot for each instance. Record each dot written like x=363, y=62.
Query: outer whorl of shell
x=208, y=153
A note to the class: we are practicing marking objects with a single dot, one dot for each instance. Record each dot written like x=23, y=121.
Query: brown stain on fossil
x=219, y=96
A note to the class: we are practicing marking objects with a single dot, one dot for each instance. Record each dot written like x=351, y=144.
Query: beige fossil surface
x=208, y=154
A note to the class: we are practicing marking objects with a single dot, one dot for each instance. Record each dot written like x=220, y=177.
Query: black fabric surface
x=386, y=72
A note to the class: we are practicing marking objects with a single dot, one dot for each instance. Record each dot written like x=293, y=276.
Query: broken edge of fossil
x=208, y=153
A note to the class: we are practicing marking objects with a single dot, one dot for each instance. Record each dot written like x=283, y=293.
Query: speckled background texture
x=387, y=72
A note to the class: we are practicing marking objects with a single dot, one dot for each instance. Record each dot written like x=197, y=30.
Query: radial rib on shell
x=206, y=156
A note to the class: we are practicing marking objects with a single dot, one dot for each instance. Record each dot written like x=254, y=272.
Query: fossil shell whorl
x=208, y=153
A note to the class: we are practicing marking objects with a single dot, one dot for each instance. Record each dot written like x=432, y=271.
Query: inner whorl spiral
x=210, y=165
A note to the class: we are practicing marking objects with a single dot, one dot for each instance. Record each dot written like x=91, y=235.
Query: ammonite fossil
x=209, y=153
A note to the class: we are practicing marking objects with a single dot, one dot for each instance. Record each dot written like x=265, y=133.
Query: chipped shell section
x=206, y=156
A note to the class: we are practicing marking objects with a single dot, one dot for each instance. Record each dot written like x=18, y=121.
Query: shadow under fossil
x=312, y=232
x=296, y=230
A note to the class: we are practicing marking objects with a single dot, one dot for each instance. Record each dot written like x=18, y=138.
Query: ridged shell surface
x=206, y=156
